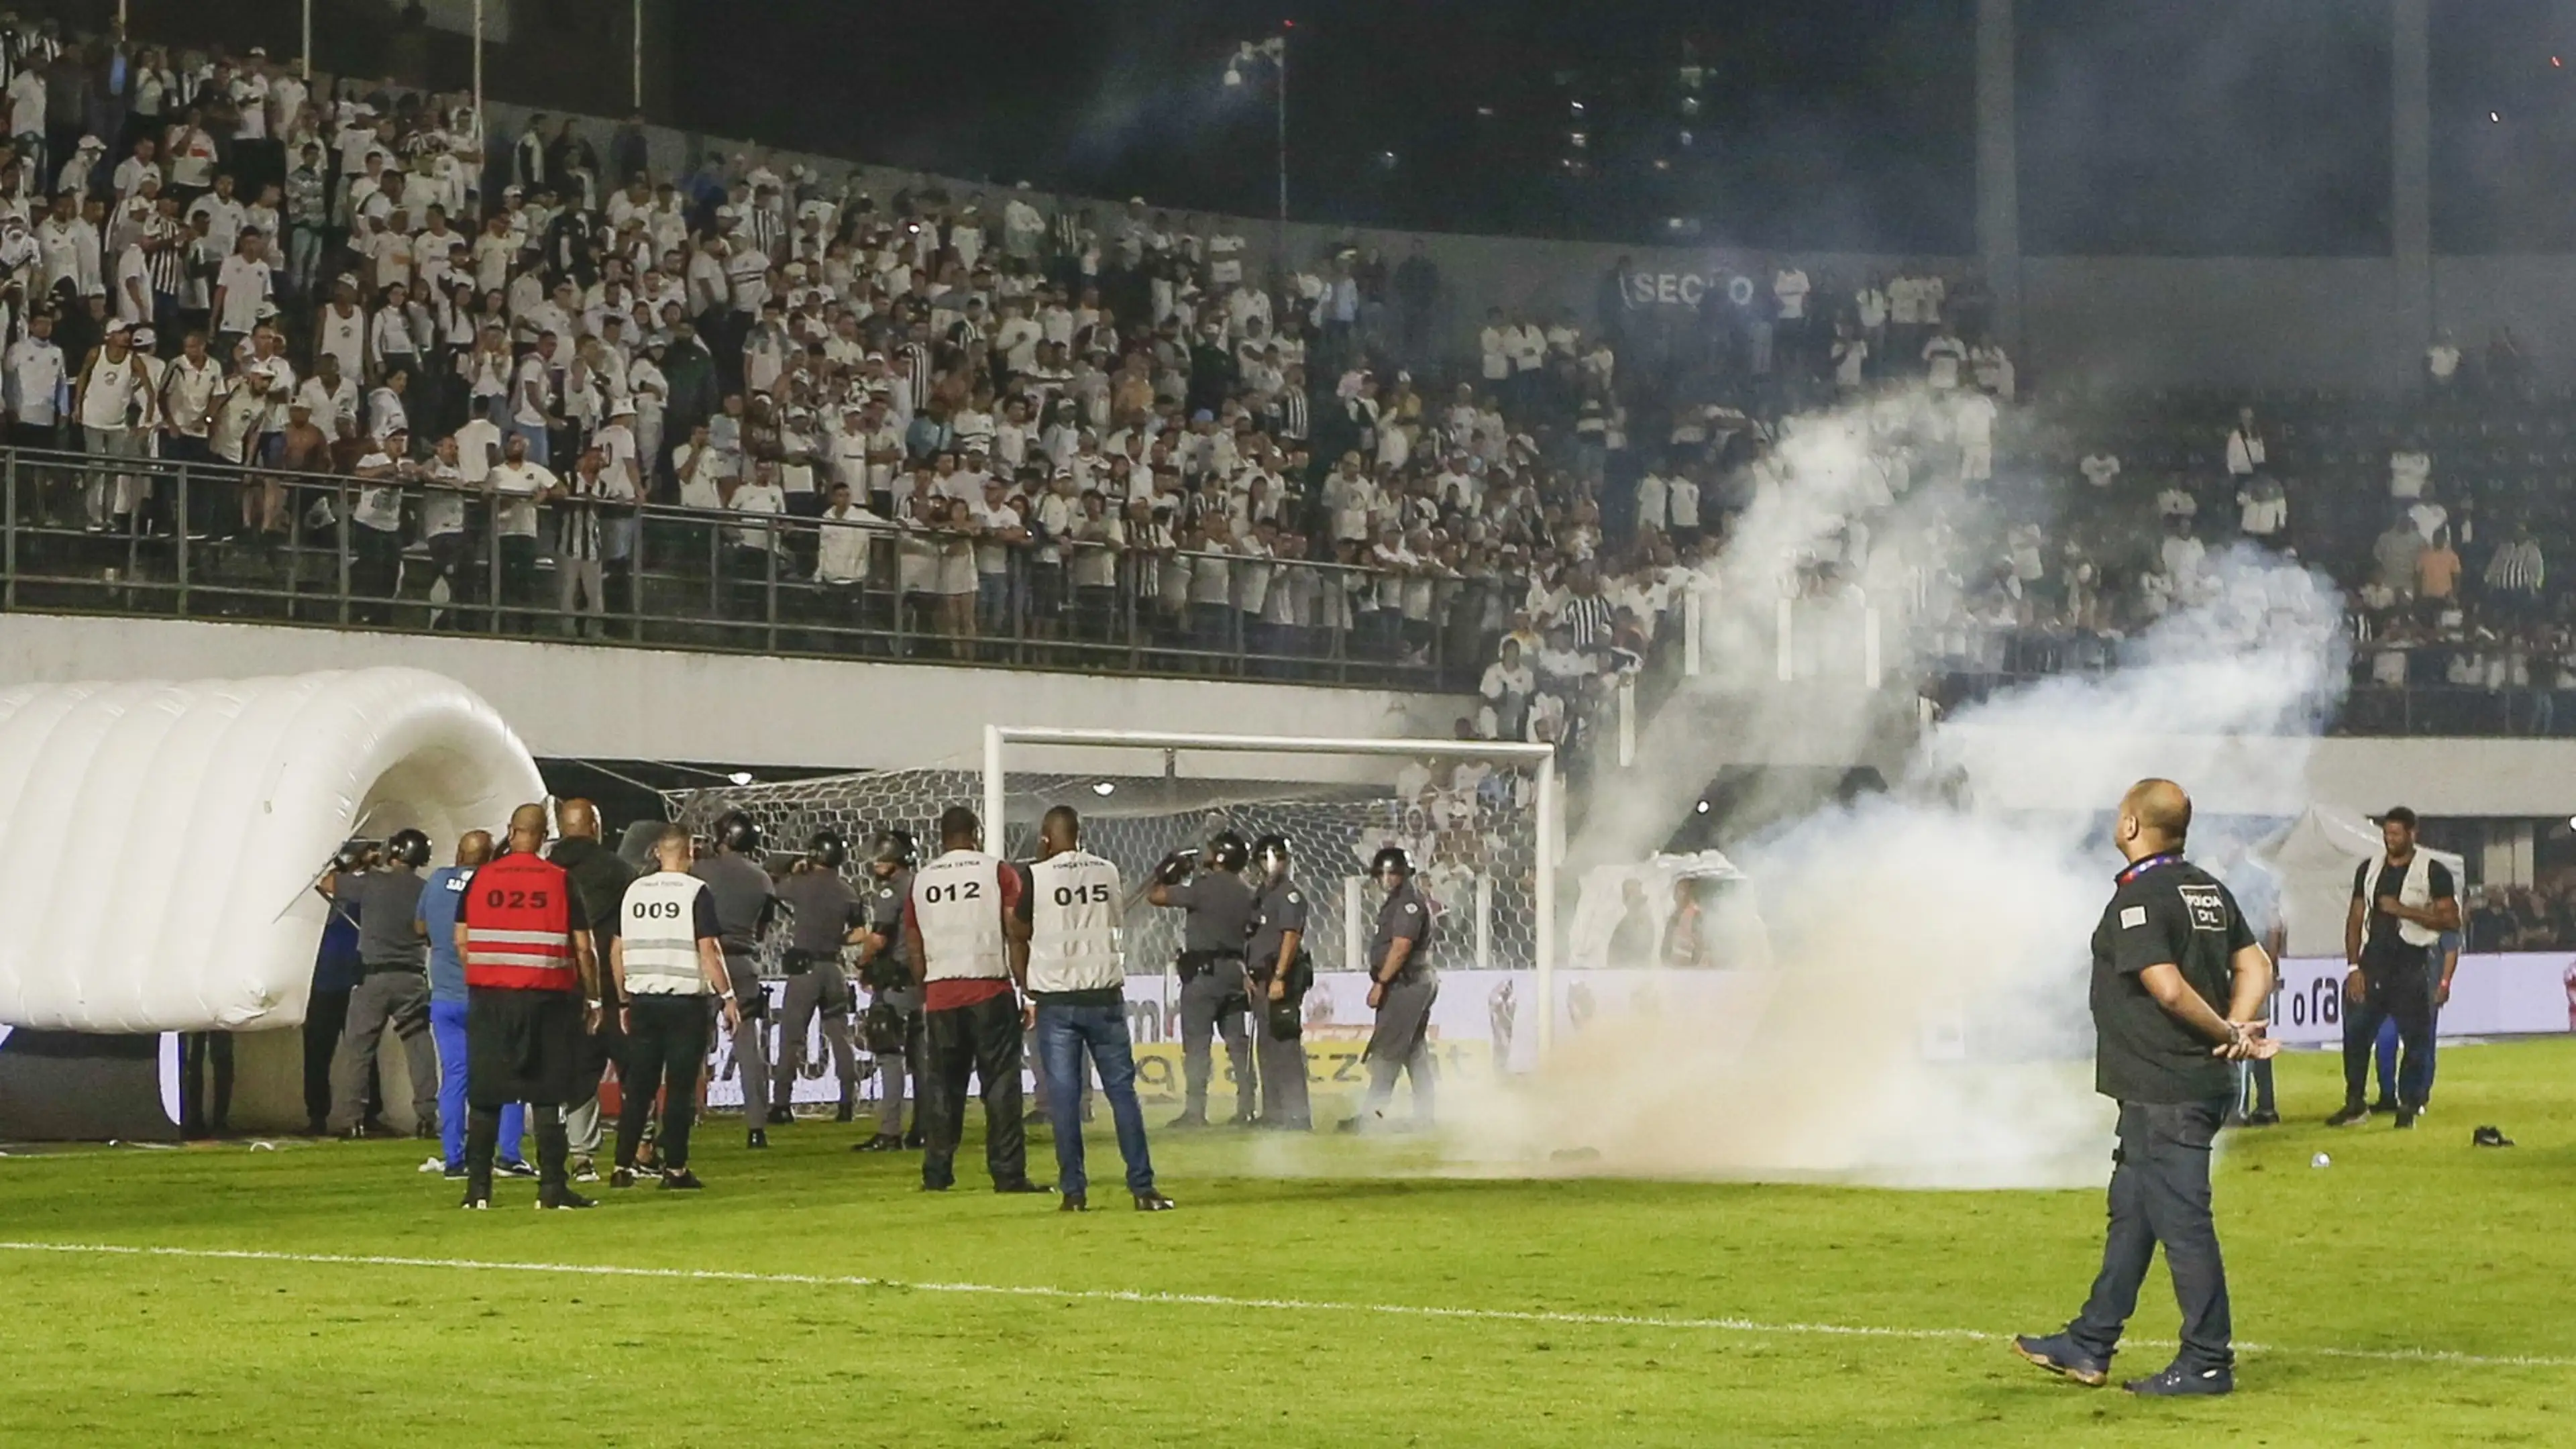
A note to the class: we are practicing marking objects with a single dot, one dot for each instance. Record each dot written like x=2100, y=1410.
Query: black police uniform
x=1279, y=1026
x=892, y=1026
x=1402, y=1040
x=1216, y=997
x=2173, y=1093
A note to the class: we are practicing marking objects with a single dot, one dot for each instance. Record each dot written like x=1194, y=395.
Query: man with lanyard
x=969, y=948
x=1215, y=994
x=1402, y=987
x=601, y=877
x=745, y=904
x=667, y=963
x=1077, y=975
x=392, y=989
x=442, y=897
x=2171, y=945
x=894, y=1001
x=2402, y=902
x=531, y=993
x=1281, y=975
x=824, y=915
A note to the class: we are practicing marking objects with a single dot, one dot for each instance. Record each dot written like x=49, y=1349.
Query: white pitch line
x=1214, y=1300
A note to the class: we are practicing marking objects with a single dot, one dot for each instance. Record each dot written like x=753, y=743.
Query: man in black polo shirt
x=2171, y=945
x=2402, y=902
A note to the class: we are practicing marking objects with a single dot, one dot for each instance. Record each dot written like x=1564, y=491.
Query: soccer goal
x=1473, y=815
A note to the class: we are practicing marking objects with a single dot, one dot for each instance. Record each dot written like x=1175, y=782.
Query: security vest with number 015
x=518, y=926
x=658, y=923
x=957, y=905
x=1076, y=924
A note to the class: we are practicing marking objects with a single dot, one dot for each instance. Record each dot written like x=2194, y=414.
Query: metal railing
x=696, y=579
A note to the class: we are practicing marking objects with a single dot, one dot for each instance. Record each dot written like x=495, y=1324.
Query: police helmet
x=736, y=831
x=1272, y=852
x=828, y=849
x=894, y=847
x=1226, y=851
x=408, y=847
x=1391, y=858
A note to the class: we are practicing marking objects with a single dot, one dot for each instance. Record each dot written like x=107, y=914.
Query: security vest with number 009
x=518, y=926
x=658, y=923
x=1076, y=926
x=957, y=905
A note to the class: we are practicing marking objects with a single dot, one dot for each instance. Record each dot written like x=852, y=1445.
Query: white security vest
x=957, y=904
x=2417, y=891
x=1076, y=924
x=658, y=922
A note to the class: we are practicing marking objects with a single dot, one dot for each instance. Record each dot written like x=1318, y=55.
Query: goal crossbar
x=997, y=739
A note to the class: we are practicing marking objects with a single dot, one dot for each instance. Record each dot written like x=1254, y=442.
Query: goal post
x=1540, y=759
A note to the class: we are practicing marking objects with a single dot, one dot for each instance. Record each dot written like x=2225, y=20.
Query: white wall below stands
x=2501, y=778
x=606, y=703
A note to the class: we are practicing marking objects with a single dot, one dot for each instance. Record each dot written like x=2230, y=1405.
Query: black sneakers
x=780, y=1116
x=2352, y=1112
x=1186, y=1120
x=476, y=1201
x=1074, y=1202
x=759, y=1138
x=1022, y=1185
x=2405, y=1118
x=564, y=1201
x=2058, y=1354
x=622, y=1177
x=516, y=1169
x=2180, y=1382
x=879, y=1143
x=680, y=1179
x=1154, y=1202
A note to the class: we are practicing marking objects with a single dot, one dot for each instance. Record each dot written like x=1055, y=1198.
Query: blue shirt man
x=442, y=900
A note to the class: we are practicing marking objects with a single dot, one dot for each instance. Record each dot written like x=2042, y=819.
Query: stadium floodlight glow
x=1540, y=758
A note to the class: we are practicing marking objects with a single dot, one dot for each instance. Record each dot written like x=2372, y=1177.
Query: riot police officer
x=826, y=915
x=1402, y=987
x=892, y=1026
x=745, y=904
x=1281, y=976
x=1216, y=996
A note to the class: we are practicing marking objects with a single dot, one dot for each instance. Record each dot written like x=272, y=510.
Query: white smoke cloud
x=1926, y=1021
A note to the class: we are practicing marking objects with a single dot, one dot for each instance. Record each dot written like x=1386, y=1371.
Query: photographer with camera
x=392, y=988
x=824, y=916
x=893, y=1024
x=1281, y=976
x=1216, y=995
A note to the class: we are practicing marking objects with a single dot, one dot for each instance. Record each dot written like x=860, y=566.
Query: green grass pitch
x=2416, y=1292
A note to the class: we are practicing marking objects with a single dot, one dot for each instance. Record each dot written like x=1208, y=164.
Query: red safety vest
x=518, y=925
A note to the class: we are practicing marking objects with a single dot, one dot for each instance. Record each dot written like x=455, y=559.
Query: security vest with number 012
x=658, y=923
x=1076, y=924
x=957, y=905
x=518, y=926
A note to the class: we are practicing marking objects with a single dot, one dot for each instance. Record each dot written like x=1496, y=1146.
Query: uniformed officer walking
x=1077, y=977
x=667, y=961
x=601, y=876
x=392, y=989
x=532, y=990
x=1402, y=987
x=969, y=947
x=824, y=916
x=1216, y=996
x=745, y=905
x=1281, y=976
x=893, y=1021
x=2170, y=947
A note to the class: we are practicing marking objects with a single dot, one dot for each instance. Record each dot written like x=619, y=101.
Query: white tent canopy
x=2315, y=858
x=158, y=840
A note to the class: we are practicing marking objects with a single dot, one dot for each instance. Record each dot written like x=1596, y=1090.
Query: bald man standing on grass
x=2171, y=946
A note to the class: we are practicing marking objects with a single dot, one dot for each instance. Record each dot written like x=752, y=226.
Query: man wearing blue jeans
x=442, y=896
x=2446, y=964
x=1077, y=976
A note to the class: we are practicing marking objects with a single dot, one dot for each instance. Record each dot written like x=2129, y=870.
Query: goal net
x=1472, y=816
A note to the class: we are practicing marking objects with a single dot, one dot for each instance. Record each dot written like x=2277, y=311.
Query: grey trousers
x=894, y=1055
x=1215, y=1003
x=751, y=1044
x=1402, y=1043
x=1283, y=1071
x=399, y=999
x=822, y=989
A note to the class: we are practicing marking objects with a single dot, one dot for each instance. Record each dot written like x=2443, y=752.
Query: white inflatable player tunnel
x=159, y=841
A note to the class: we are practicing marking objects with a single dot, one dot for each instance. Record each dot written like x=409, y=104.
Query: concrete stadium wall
x=595, y=702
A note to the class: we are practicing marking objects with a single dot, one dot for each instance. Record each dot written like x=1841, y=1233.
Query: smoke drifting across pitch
x=1926, y=1022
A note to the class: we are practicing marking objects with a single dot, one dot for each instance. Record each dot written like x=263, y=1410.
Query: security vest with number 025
x=658, y=923
x=1076, y=924
x=957, y=905
x=518, y=926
